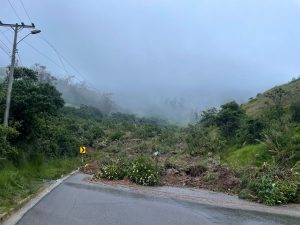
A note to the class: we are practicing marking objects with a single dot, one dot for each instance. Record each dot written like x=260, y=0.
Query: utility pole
x=16, y=28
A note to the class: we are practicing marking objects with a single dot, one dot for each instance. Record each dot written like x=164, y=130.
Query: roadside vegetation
x=227, y=149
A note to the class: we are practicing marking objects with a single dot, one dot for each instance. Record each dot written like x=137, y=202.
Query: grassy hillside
x=256, y=105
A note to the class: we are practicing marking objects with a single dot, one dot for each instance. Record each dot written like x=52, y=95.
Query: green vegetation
x=143, y=172
x=42, y=139
x=115, y=170
x=251, y=141
x=270, y=186
x=257, y=105
x=16, y=183
x=236, y=149
x=250, y=155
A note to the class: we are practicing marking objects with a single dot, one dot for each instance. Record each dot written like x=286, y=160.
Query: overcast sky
x=206, y=51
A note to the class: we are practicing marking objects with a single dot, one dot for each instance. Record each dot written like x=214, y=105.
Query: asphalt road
x=76, y=202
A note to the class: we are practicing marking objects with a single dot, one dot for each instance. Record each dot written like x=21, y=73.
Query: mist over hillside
x=174, y=106
x=179, y=104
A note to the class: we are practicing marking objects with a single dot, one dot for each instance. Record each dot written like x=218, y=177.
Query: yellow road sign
x=82, y=150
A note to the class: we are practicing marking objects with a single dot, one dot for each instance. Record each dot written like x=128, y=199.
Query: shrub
x=201, y=140
x=284, y=192
x=143, y=172
x=270, y=191
x=296, y=167
x=7, y=151
x=113, y=171
x=117, y=135
x=295, y=111
x=250, y=131
x=262, y=187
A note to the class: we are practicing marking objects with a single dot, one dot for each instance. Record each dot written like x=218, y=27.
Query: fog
x=163, y=57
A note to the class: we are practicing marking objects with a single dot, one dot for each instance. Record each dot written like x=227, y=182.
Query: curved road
x=76, y=202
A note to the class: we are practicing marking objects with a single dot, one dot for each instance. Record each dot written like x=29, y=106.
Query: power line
x=3, y=33
x=27, y=14
x=56, y=52
x=63, y=57
x=71, y=65
x=44, y=55
x=5, y=51
x=3, y=43
x=13, y=8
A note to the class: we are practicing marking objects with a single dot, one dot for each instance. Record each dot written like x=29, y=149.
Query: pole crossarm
x=16, y=25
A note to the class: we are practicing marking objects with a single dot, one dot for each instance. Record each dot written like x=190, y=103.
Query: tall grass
x=250, y=155
x=18, y=183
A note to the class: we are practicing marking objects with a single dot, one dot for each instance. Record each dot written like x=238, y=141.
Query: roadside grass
x=249, y=155
x=18, y=183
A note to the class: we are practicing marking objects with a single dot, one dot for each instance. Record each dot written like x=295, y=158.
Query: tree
x=229, y=118
x=208, y=117
x=295, y=111
x=31, y=98
x=23, y=72
x=250, y=130
x=276, y=101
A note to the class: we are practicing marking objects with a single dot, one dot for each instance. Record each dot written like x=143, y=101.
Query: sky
x=200, y=52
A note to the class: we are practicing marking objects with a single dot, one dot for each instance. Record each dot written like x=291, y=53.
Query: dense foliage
x=226, y=149
x=143, y=172
x=114, y=170
x=272, y=138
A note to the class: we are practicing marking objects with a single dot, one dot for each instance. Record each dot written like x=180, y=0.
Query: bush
x=201, y=140
x=143, y=172
x=113, y=171
x=296, y=167
x=283, y=192
x=7, y=151
x=295, y=111
x=271, y=191
x=117, y=135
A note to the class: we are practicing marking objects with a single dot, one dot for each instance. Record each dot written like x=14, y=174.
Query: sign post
x=82, y=151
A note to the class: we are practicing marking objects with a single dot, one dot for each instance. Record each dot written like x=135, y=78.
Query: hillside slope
x=256, y=105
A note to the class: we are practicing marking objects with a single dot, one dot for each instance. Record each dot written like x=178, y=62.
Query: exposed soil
x=216, y=179
x=91, y=168
x=220, y=179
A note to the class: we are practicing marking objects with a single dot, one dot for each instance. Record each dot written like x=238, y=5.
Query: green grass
x=18, y=183
x=250, y=155
x=257, y=105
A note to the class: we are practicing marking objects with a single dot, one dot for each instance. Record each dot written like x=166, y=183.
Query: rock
x=172, y=171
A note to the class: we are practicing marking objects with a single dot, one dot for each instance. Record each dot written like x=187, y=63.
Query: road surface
x=76, y=202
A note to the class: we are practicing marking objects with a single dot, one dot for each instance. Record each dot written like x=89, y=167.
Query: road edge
x=235, y=204
x=13, y=216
